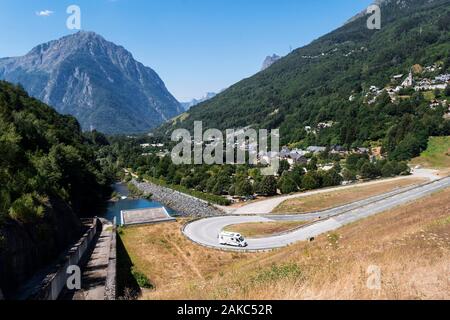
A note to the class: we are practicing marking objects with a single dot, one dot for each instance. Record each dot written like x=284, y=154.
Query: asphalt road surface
x=205, y=231
x=268, y=205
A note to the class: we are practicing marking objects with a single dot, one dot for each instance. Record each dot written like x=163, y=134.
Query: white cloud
x=44, y=13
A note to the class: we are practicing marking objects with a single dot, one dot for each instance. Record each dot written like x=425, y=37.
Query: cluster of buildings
x=152, y=145
x=440, y=82
x=417, y=83
x=346, y=54
x=320, y=126
x=302, y=157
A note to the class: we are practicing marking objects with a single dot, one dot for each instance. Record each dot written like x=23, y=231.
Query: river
x=114, y=207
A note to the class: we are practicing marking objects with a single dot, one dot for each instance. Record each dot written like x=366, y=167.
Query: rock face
x=94, y=80
x=270, y=60
x=26, y=248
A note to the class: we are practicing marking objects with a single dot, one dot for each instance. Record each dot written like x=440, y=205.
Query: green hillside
x=437, y=154
x=313, y=85
x=49, y=178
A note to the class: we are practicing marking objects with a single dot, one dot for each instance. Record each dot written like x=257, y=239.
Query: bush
x=388, y=170
x=287, y=184
x=310, y=181
x=348, y=175
x=26, y=210
x=141, y=279
x=244, y=188
x=331, y=178
x=368, y=171
x=267, y=186
x=134, y=191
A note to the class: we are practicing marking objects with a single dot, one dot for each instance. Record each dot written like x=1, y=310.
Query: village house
x=323, y=125
x=316, y=149
x=295, y=156
x=326, y=167
x=443, y=78
x=361, y=150
x=409, y=81
x=336, y=149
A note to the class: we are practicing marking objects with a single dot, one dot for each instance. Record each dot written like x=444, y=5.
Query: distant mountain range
x=270, y=60
x=96, y=81
x=187, y=105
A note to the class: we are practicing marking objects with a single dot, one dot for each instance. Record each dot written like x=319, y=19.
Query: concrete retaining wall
x=52, y=285
x=184, y=204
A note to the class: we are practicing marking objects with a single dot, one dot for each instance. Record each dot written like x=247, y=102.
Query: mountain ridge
x=97, y=81
x=327, y=81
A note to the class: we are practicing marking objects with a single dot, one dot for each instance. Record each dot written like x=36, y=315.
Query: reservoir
x=114, y=207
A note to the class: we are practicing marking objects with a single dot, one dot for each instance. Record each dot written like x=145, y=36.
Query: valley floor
x=410, y=245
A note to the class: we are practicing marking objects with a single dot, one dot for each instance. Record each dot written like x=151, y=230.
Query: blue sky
x=196, y=46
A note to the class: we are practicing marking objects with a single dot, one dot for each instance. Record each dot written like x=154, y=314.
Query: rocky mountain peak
x=97, y=81
x=269, y=61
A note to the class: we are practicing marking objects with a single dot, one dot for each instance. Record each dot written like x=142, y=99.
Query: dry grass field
x=262, y=229
x=339, y=197
x=410, y=245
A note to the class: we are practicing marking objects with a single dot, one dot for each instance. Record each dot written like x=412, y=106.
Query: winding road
x=205, y=231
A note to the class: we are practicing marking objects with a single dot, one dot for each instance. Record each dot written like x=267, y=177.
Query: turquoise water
x=114, y=208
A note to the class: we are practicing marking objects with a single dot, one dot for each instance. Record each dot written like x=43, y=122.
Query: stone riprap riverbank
x=184, y=204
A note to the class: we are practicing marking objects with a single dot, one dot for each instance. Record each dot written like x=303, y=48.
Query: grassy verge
x=331, y=199
x=437, y=154
x=410, y=245
x=170, y=260
x=201, y=195
x=262, y=229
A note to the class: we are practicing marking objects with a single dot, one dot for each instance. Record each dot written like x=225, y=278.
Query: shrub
x=388, y=170
x=267, y=186
x=287, y=184
x=331, y=178
x=244, y=188
x=26, y=210
x=310, y=181
x=348, y=175
x=141, y=279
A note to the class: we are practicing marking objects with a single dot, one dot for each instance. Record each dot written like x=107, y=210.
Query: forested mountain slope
x=49, y=177
x=314, y=84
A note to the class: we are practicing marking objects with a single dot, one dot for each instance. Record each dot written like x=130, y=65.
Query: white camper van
x=232, y=239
